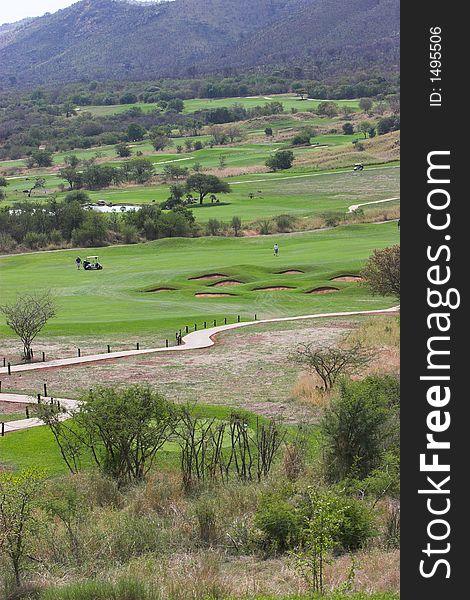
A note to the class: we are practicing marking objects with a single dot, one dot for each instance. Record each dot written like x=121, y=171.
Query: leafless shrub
x=28, y=315
x=330, y=362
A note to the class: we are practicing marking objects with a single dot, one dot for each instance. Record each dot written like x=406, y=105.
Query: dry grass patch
x=308, y=390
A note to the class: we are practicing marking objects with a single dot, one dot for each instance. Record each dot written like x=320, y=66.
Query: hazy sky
x=14, y=10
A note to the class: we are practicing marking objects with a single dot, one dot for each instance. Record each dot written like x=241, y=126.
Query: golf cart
x=91, y=264
x=358, y=167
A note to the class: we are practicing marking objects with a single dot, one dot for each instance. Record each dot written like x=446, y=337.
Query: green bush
x=361, y=424
x=35, y=240
x=357, y=524
x=279, y=521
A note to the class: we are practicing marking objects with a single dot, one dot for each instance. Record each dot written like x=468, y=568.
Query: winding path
x=11, y=426
x=192, y=341
x=195, y=340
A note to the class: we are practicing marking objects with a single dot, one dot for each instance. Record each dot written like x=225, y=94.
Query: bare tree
x=329, y=362
x=27, y=316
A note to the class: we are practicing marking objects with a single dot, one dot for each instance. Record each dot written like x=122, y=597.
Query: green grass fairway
x=289, y=101
x=114, y=301
x=296, y=192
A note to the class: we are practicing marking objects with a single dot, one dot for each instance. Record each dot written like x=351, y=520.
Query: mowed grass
x=289, y=101
x=115, y=301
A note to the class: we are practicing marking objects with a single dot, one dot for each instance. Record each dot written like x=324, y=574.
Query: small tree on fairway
x=206, y=184
x=123, y=150
x=39, y=184
x=382, y=271
x=27, y=316
x=236, y=225
x=348, y=129
x=18, y=498
x=280, y=160
x=330, y=362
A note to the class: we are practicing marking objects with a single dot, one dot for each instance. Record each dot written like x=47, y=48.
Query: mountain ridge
x=96, y=39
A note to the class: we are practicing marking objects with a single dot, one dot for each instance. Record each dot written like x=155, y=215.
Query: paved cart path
x=10, y=426
x=195, y=340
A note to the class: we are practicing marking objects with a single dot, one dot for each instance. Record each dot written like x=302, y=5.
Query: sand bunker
x=323, y=290
x=161, y=289
x=208, y=276
x=347, y=278
x=206, y=295
x=289, y=272
x=274, y=289
x=227, y=282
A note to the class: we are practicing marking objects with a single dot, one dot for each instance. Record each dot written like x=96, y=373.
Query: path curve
x=195, y=340
x=354, y=207
x=21, y=424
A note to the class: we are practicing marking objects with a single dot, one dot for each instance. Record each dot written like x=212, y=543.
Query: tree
x=361, y=423
x=280, y=160
x=42, y=158
x=387, y=124
x=18, y=499
x=139, y=170
x=236, y=225
x=321, y=537
x=365, y=104
x=175, y=172
x=27, y=316
x=135, y=132
x=268, y=131
x=123, y=150
x=122, y=429
x=348, y=129
x=160, y=141
x=175, y=105
x=302, y=138
x=233, y=132
x=206, y=184
x=92, y=231
x=78, y=196
x=327, y=109
x=329, y=362
x=364, y=128
x=382, y=271
x=73, y=177
x=177, y=192
x=68, y=109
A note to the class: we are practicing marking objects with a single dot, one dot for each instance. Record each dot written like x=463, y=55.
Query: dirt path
x=192, y=341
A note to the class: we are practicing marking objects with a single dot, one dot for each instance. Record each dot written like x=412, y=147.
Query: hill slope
x=115, y=39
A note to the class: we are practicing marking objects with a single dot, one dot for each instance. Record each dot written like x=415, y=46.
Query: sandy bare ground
x=248, y=368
